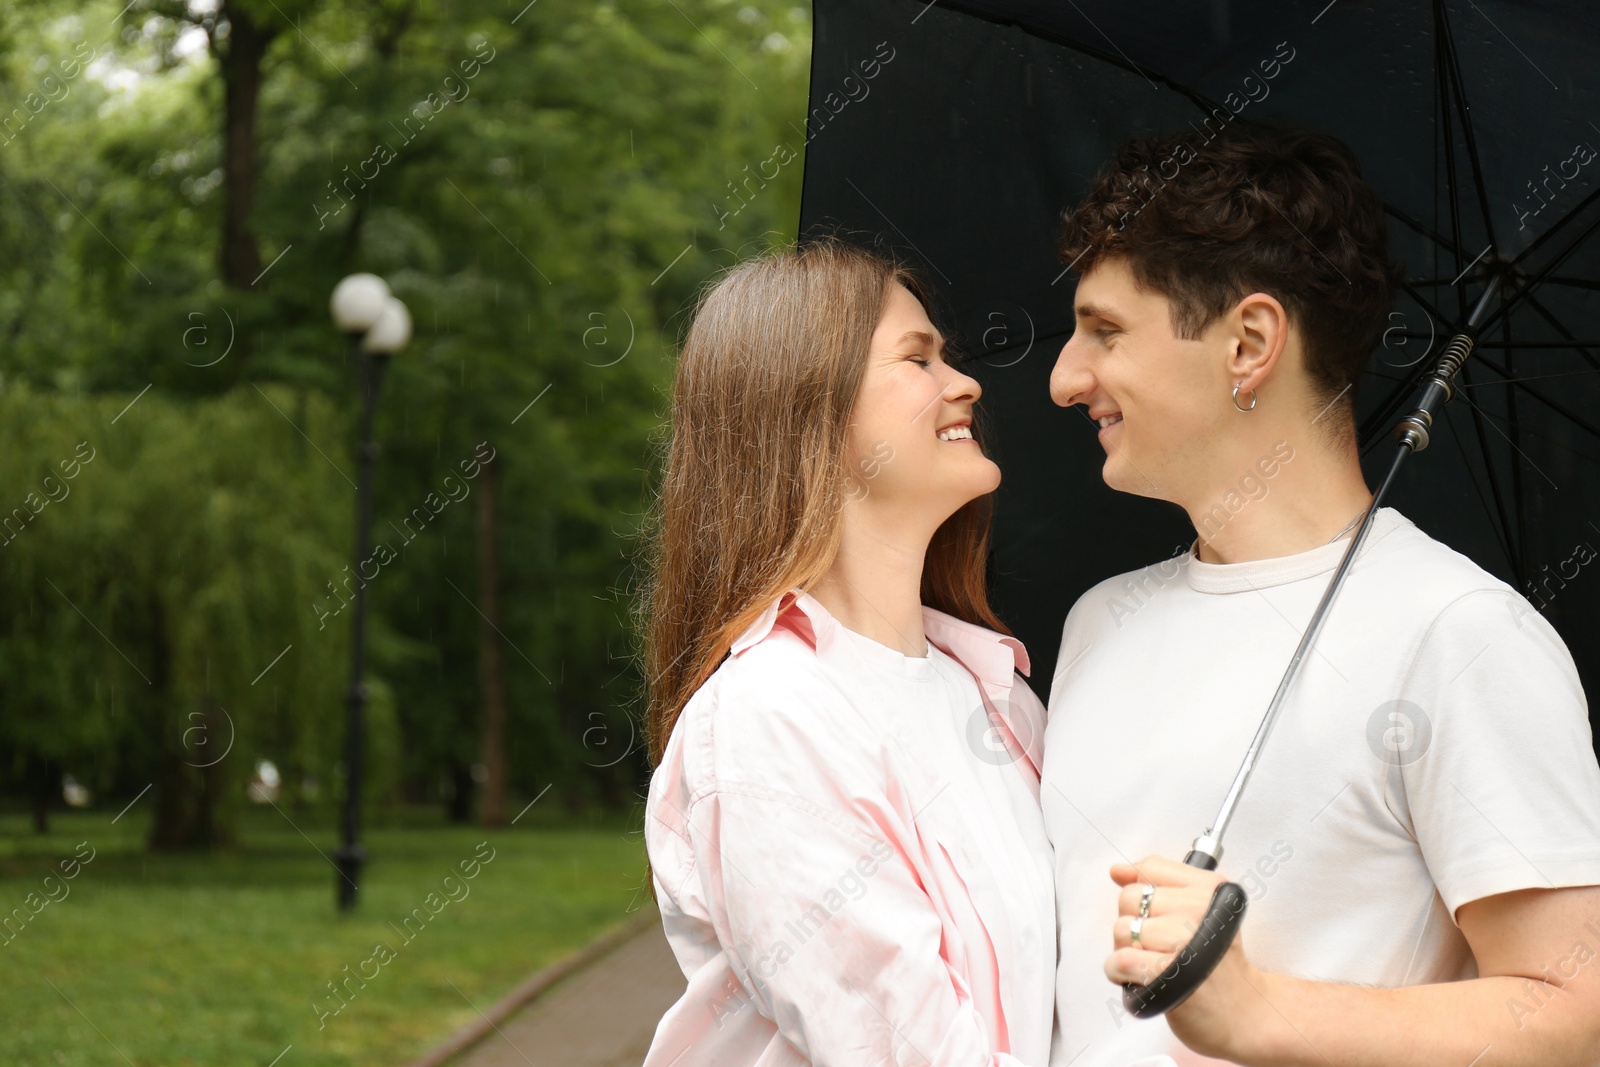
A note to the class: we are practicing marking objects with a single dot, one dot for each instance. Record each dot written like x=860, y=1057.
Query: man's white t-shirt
x=1434, y=750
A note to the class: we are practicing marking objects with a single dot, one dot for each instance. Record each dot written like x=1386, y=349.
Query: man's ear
x=1262, y=335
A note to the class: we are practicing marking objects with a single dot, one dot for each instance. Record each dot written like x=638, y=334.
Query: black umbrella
x=959, y=131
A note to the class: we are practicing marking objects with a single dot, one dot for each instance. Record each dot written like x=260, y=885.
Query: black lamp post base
x=348, y=860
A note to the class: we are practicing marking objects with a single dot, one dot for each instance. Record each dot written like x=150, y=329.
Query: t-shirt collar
x=1281, y=570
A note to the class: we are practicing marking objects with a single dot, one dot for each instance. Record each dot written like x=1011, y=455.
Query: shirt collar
x=993, y=657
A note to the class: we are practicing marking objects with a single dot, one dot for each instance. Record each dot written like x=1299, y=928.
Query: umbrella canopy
x=960, y=131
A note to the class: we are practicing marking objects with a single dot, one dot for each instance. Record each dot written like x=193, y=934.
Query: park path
x=602, y=1016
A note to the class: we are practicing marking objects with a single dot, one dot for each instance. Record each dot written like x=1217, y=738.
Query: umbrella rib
x=1555, y=228
x=1387, y=409
x=1528, y=285
x=1547, y=377
x=1513, y=556
x=1519, y=563
x=1581, y=283
x=1552, y=441
x=1520, y=566
x=1427, y=305
x=1454, y=245
x=1459, y=90
x=1521, y=383
x=1569, y=344
x=1422, y=228
x=1545, y=313
x=1466, y=463
x=1477, y=413
x=1115, y=60
x=1438, y=282
x=1441, y=63
x=1113, y=44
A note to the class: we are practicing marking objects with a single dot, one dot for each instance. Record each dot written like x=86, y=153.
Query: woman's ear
x=1262, y=335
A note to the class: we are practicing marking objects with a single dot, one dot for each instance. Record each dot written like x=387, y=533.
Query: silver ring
x=1135, y=929
x=1144, y=901
x=1236, y=403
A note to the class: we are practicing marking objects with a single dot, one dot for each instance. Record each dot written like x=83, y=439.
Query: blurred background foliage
x=182, y=183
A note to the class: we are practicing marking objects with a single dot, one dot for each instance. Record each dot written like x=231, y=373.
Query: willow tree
x=169, y=631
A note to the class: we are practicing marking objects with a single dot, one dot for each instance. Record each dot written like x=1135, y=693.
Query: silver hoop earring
x=1253, y=399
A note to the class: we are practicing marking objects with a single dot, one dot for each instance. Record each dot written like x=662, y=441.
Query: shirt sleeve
x=1492, y=741
x=804, y=863
x=831, y=935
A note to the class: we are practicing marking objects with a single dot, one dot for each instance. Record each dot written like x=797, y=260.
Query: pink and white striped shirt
x=849, y=855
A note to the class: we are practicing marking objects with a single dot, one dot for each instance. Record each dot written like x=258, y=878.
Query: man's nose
x=1070, y=379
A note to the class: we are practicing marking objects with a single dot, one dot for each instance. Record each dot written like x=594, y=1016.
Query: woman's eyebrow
x=921, y=337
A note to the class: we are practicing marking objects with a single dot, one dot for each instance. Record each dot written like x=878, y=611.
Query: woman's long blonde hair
x=757, y=465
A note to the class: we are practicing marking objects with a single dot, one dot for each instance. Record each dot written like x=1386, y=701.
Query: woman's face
x=910, y=434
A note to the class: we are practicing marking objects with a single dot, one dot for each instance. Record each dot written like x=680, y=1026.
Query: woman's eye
x=921, y=362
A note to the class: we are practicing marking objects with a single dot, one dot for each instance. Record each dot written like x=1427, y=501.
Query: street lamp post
x=378, y=325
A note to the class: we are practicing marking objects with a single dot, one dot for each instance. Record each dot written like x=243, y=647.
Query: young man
x=1420, y=841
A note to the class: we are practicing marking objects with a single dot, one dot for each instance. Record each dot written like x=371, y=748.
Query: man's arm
x=1536, y=1002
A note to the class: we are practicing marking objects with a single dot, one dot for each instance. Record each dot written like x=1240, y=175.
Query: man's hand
x=1536, y=1002
x=1229, y=1001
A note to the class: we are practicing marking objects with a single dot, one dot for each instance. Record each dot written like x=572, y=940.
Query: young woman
x=843, y=825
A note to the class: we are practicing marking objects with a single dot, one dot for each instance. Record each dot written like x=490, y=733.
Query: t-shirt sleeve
x=1498, y=765
x=1078, y=634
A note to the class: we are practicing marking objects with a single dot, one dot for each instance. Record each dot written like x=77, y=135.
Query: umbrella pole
x=1196, y=960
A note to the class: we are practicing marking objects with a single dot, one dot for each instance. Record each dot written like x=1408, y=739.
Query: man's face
x=1158, y=398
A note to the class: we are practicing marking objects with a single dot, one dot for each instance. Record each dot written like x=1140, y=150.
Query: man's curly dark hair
x=1257, y=207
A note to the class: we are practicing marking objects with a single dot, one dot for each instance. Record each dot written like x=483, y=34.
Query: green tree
x=546, y=186
x=182, y=557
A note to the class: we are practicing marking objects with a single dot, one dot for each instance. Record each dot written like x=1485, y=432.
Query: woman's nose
x=963, y=387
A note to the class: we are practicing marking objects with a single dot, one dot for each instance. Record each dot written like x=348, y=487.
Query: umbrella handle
x=1196, y=960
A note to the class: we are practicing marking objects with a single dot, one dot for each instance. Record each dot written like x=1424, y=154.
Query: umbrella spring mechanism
x=1415, y=430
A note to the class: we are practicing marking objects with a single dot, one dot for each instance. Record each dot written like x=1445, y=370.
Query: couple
x=870, y=842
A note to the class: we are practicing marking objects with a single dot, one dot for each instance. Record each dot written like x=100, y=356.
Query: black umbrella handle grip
x=1196, y=960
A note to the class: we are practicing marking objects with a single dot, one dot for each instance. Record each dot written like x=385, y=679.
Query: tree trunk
x=191, y=762
x=170, y=825
x=491, y=674
x=39, y=778
x=459, y=809
x=240, y=62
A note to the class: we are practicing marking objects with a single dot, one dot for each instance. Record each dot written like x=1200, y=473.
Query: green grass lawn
x=221, y=959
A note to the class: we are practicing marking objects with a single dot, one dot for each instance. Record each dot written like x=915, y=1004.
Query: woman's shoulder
x=775, y=714
x=780, y=681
